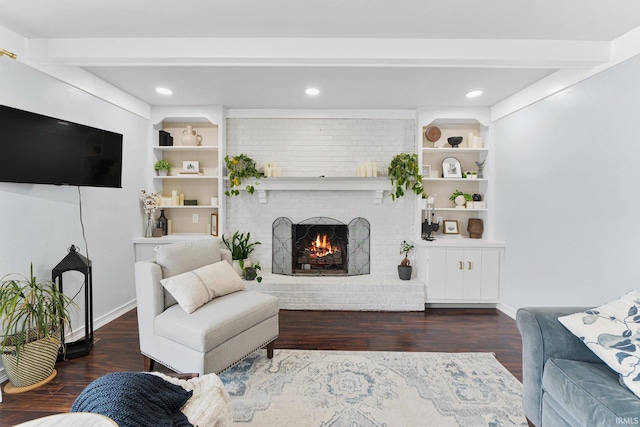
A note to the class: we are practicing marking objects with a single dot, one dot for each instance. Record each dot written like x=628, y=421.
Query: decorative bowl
x=454, y=141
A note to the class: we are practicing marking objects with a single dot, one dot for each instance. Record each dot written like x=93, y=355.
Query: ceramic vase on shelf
x=475, y=228
x=162, y=223
x=190, y=137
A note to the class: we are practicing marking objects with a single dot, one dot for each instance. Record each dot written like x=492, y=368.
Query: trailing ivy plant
x=404, y=173
x=239, y=168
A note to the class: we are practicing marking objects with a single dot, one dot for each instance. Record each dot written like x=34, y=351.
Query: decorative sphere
x=454, y=141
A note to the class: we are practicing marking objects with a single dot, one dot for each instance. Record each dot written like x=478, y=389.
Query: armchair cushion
x=178, y=258
x=195, y=288
x=611, y=332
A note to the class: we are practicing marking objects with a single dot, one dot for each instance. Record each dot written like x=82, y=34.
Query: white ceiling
x=359, y=53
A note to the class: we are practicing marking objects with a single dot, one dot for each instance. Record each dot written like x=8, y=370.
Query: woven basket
x=37, y=360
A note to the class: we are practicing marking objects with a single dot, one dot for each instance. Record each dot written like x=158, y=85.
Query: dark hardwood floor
x=436, y=330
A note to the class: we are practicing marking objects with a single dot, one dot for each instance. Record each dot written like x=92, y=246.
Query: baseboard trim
x=79, y=333
x=509, y=311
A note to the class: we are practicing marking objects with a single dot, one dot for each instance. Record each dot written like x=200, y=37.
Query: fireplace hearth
x=321, y=246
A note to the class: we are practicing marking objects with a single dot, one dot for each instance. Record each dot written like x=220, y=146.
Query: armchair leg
x=270, y=348
x=149, y=363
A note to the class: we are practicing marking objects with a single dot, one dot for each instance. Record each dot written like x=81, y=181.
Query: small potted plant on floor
x=33, y=313
x=252, y=272
x=404, y=174
x=240, y=168
x=240, y=247
x=162, y=167
x=405, y=269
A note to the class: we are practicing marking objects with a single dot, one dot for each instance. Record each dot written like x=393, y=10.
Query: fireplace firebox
x=320, y=249
x=321, y=246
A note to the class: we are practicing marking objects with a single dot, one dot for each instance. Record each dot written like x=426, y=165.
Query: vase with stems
x=149, y=204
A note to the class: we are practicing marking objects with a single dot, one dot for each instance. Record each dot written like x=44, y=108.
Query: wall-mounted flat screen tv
x=38, y=149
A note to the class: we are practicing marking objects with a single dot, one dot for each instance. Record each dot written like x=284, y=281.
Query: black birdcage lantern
x=75, y=261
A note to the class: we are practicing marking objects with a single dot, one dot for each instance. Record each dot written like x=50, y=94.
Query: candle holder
x=428, y=226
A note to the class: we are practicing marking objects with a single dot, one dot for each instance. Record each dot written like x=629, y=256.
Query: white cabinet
x=459, y=275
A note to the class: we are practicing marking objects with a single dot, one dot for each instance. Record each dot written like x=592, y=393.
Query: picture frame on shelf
x=191, y=166
x=450, y=226
x=451, y=168
x=214, y=224
x=426, y=171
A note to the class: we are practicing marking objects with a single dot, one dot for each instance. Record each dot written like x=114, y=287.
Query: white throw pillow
x=194, y=289
x=612, y=332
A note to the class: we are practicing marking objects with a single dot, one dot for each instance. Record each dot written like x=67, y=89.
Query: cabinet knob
x=460, y=265
x=469, y=265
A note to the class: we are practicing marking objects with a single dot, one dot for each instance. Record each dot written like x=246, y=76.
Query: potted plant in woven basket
x=33, y=313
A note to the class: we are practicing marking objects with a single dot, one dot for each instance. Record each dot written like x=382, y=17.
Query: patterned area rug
x=354, y=389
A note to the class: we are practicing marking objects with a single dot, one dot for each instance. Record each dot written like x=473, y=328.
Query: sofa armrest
x=225, y=254
x=543, y=336
x=149, y=299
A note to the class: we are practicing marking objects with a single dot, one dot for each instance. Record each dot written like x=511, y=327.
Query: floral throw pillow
x=612, y=332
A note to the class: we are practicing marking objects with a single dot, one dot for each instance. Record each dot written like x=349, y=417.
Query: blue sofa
x=565, y=383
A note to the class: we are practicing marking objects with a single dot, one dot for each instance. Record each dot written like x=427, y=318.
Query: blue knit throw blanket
x=135, y=399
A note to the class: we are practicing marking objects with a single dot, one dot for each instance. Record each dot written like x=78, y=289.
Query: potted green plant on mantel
x=162, y=167
x=405, y=269
x=404, y=173
x=240, y=247
x=240, y=168
x=33, y=313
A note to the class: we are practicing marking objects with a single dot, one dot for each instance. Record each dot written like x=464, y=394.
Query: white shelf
x=376, y=184
x=173, y=238
x=186, y=148
x=459, y=210
x=456, y=179
x=187, y=177
x=189, y=207
x=454, y=150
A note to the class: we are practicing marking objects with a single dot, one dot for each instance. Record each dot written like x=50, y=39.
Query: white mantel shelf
x=376, y=184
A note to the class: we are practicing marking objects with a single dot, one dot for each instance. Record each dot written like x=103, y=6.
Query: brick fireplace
x=310, y=149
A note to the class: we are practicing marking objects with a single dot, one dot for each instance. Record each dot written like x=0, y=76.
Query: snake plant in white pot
x=33, y=313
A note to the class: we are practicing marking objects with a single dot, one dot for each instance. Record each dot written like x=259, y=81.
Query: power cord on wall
x=84, y=237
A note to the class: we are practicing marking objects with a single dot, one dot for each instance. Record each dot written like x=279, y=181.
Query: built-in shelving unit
x=205, y=218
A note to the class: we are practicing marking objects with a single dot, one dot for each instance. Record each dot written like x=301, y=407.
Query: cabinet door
x=472, y=267
x=455, y=274
x=436, y=274
x=490, y=274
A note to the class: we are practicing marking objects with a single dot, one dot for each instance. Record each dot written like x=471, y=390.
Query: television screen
x=43, y=150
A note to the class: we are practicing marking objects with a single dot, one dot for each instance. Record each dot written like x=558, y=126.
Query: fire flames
x=322, y=247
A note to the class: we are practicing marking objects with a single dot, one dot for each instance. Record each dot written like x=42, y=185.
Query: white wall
x=566, y=190
x=333, y=147
x=39, y=222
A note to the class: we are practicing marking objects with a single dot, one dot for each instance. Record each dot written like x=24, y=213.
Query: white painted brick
x=330, y=147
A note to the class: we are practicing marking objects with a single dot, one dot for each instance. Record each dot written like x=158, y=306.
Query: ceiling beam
x=320, y=52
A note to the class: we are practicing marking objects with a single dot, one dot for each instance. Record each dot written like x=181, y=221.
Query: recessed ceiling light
x=473, y=94
x=164, y=91
x=312, y=91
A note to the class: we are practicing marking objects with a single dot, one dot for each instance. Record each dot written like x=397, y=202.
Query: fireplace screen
x=321, y=246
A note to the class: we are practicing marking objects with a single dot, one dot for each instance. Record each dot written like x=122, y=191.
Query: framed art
x=190, y=166
x=426, y=171
x=451, y=168
x=450, y=226
x=214, y=224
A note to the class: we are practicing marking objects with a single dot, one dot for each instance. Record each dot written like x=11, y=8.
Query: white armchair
x=215, y=336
